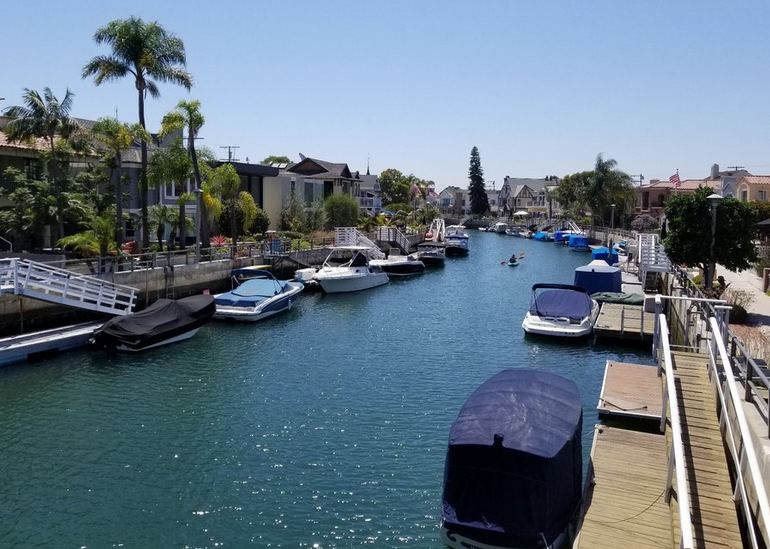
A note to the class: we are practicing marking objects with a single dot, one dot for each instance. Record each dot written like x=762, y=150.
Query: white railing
x=392, y=234
x=676, y=459
x=41, y=281
x=742, y=450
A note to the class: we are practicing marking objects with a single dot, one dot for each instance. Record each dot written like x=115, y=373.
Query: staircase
x=351, y=236
x=394, y=237
x=41, y=281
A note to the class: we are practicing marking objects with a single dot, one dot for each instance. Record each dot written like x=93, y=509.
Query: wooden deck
x=621, y=321
x=630, y=391
x=625, y=505
x=714, y=517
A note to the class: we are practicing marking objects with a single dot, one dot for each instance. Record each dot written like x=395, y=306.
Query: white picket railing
x=40, y=281
x=742, y=450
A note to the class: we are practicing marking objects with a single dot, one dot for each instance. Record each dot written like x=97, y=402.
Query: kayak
x=513, y=263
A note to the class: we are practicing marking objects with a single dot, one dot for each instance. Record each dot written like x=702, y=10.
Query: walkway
x=748, y=281
x=714, y=517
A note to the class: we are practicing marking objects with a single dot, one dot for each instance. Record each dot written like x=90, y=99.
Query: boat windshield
x=574, y=304
x=345, y=258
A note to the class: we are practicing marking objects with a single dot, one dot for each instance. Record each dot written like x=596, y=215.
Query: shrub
x=315, y=217
x=396, y=206
x=341, y=211
x=644, y=222
x=261, y=221
x=761, y=265
x=219, y=240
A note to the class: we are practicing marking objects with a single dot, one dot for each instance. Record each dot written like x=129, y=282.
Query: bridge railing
x=670, y=415
x=740, y=443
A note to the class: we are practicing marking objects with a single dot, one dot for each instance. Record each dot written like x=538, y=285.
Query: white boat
x=347, y=269
x=400, y=265
x=560, y=310
x=257, y=295
x=432, y=254
x=456, y=241
x=501, y=227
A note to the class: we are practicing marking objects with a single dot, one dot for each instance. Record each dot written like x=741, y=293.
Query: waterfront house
x=753, y=187
x=530, y=194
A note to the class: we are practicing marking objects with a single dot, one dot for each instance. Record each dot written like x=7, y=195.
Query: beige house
x=753, y=187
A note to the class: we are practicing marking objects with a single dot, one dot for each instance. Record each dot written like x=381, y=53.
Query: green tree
x=160, y=215
x=479, y=200
x=341, y=211
x=273, y=159
x=31, y=205
x=172, y=165
x=48, y=118
x=394, y=187
x=97, y=239
x=688, y=236
x=293, y=215
x=572, y=192
x=228, y=183
x=187, y=115
x=609, y=186
x=116, y=137
x=149, y=54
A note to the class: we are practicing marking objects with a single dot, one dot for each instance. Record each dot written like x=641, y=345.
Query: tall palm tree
x=149, y=53
x=117, y=137
x=45, y=117
x=607, y=186
x=187, y=115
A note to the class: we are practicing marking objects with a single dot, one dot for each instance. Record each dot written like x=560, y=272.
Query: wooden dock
x=630, y=391
x=620, y=321
x=714, y=517
x=624, y=504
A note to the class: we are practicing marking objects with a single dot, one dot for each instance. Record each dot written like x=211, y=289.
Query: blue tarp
x=540, y=235
x=513, y=471
x=604, y=253
x=598, y=278
x=558, y=236
x=578, y=241
x=560, y=300
x=251, y=292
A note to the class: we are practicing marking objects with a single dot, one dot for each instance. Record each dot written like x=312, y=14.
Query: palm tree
x=159, y=216
x=117, y=137
x=187, y=114
x=45, y=117
x=172, y=165
x=97, y=239
x=227, y=183
x=149, y=53
x=607, y=186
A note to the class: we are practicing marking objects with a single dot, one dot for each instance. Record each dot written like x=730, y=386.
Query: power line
x=230, y=152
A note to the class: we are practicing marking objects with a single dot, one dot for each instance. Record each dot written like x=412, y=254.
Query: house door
x=328, y=189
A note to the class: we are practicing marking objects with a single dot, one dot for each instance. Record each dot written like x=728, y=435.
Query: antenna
x=637, y=179
x=736, y=168
x=230, y=151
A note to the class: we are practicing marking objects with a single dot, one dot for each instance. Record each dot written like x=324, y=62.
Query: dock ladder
x=37, y=280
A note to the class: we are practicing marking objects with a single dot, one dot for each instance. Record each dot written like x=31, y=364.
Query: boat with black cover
x=165, y=321
x=514, y=471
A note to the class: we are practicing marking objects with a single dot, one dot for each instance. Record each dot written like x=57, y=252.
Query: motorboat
x=500, y=227
x=578, y=243
x=605, y=254
x=513, y=473
x=621, y=248
x=400, y=265
x=431, y=253
x=597, y=277
x=165, y=321
x=525, y=234
x=256, y=295
x=347, y=269
x=456, y=241
x=560, y=310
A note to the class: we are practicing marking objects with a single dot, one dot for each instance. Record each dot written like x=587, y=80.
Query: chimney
x=714, y=171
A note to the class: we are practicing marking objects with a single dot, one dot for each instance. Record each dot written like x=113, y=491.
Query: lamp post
x=612, y=222
x=198, y=221
x=714, y=201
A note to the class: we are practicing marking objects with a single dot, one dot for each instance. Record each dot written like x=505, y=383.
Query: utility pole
x=230, y=152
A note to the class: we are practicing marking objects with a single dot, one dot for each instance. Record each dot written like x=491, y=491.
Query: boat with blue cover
x=560, y=310
x=256, y=296
x=578, y=243
x=514, y=471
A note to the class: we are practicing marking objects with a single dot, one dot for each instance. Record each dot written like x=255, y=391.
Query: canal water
x=325, y=427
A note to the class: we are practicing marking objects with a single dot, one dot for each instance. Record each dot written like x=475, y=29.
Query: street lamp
x=198, y=221
x=612, y=222
x=714, y=200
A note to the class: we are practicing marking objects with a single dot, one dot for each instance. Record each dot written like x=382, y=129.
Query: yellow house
x=753, y=187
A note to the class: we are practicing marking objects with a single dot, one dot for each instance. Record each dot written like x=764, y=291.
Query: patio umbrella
x=521, y=212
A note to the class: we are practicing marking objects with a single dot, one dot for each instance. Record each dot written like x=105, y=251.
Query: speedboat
x=456, y=241
x=165, y=321
x=399, y=265
x=347, y=269
x=513, y=473
x=432, y=254
x=560, y=310
x=257, y=295
x=500, y=227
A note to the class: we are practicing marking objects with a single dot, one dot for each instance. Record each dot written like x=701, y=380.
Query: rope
x=636, y=515
x=624, y=409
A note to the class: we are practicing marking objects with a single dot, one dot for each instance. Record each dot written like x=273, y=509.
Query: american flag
x=675, y=179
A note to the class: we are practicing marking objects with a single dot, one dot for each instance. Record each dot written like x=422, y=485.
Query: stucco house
x=753, y=187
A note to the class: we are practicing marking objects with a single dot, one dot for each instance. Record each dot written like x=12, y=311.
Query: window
x=169, y=189
x=744, y=195
x=762, y=195
x=309, y=193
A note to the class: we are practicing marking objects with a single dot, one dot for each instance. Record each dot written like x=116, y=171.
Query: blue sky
x=539, y=87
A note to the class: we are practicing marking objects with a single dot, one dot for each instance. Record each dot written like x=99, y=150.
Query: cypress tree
x=479, y=201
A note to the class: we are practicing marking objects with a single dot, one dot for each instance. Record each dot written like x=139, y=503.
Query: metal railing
x=742, y=450
x=755, y=380
x=676, y=459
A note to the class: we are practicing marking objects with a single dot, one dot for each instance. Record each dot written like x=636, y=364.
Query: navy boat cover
x=513, y=472
x=578, y=241
x=598, y=278
x=606, y=254
x=560, y=300
x=251, y=292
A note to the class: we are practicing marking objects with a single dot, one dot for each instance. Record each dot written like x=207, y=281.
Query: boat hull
x=454, y=539
x=353, y=283
x=181, y=337
x=399, y=268
x=433, y=260
x=557, y=327
x=456, y=251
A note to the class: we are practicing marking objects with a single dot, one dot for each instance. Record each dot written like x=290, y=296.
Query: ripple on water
x=325, y=427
